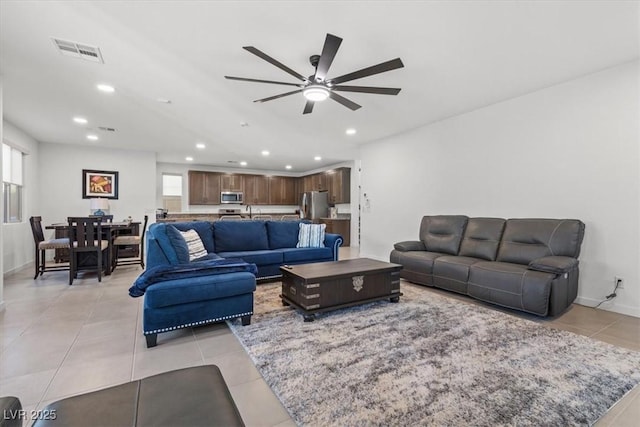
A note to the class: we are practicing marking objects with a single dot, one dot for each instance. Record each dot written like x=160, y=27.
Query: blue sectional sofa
x=220, y=284
x=267, y=244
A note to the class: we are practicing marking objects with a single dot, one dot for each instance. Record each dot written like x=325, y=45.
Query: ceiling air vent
x=78, y=50
x=106, y=129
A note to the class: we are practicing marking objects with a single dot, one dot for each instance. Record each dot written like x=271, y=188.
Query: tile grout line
x=69, y=349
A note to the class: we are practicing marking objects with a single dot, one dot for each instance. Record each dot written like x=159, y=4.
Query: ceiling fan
x=318, y=87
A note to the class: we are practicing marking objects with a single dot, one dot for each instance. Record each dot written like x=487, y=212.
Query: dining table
x=109, y=230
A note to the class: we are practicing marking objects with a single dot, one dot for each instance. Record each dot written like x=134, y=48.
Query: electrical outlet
x=619, y=282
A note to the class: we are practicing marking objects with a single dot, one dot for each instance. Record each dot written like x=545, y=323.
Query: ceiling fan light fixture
x=315, y=93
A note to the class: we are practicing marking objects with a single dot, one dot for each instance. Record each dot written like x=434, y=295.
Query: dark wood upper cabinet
x=204, y=188
x=256, y=189
x=231, y=182
x=339, y=183
x=283, y=190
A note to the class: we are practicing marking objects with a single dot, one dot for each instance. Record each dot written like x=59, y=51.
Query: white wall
x=60, y=181
x=17, y=239
x=568, y=151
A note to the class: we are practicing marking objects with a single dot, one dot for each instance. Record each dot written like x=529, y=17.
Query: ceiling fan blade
x=243, y=79
x=369, y=71
x=278, y=96
x=344, y=101
x=368, y=89
x=308, y=107
x=278, y=64
x=329, y=50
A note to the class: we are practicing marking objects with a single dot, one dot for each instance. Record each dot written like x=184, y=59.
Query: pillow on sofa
x=179, y=244
x=311, y=236
x=194, y=244
x=204, y=230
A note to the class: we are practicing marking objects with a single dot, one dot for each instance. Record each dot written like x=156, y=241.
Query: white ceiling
x=458, y=56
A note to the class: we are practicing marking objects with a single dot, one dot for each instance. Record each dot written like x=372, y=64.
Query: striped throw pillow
x=194, y=243
x=311, y=236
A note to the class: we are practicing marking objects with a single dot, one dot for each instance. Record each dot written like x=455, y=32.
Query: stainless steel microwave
x=231, y=197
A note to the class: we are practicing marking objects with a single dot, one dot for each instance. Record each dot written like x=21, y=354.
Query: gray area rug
x=431, y=360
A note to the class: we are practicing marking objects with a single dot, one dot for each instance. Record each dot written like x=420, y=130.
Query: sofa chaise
x=524, y=264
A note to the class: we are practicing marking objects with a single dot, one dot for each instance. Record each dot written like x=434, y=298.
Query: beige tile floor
x=58, y=340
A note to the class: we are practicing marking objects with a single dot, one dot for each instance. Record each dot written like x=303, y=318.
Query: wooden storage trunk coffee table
x=324, y=286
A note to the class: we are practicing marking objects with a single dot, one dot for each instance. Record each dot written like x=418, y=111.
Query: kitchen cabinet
x=256, y=189
x=283, y=190
x=339, y=183
x=315, y=182
x=231, y=182
x=339, y=226
x=204, y=188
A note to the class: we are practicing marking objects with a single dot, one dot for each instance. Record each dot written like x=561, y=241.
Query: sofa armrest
x=333, y=241
x=12, y=414
x=554, y=264
x=410, y=245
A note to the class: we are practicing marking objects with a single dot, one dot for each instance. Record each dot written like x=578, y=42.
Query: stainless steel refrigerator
x=314, y=205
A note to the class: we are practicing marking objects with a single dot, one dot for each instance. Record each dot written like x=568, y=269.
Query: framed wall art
x=99, y=184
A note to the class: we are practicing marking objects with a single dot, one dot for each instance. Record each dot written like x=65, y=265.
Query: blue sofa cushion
x=159, y=232
x=203, y=288
x=204, y=230
x=283, y=234
x=263, y=257
x=233, y=236
x=178, y=243
x=306, y=254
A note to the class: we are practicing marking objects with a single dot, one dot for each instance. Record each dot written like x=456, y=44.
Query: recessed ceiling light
x=92, y=137
x=189, y=159
x=200, y=146
x=288, y=167
x=80, y=120
x=163, y=100
x=316, y=158
x=350, y=131
x=106, y=88
x=265, y=152
x=243, y=163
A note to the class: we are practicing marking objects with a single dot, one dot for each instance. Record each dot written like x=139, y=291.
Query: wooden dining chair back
x=42, y=245
x=88, y=248
x=127, y=240
x=105, y=218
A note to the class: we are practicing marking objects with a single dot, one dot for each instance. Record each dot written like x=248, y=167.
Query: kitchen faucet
x=248, y=208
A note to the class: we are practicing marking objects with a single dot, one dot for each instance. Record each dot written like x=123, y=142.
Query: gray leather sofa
x=524, y=264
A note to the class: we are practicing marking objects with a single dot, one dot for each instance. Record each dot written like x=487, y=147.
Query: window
x=172, y=192
x=12, y=183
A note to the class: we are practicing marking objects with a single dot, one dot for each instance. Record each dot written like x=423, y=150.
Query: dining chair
x=123, y=240
x=88, y=250
x=105, y=218
x=43, y=245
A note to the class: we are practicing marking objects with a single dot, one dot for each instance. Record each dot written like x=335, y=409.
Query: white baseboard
x=609, y=306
